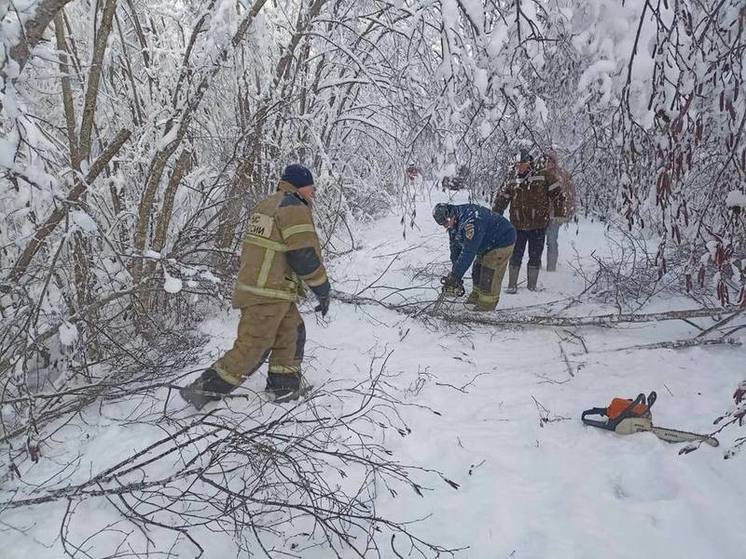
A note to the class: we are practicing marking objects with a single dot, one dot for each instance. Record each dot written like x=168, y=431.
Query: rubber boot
x=513, y=272
x=533, y=277
x=484, y=306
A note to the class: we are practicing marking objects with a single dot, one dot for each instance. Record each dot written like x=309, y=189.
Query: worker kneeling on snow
x=480, y=236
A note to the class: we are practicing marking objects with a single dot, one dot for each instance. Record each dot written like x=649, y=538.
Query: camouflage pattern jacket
x=280, y=248
x=530, y=199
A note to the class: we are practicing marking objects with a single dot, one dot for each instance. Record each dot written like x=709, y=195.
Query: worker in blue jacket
x=482, y=237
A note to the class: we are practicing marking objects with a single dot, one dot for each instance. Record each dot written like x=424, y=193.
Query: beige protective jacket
x=280, y=248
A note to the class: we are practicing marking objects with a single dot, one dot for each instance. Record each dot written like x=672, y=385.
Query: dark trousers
x=535, y=240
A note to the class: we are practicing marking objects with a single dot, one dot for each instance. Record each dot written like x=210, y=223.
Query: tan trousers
x=268, y=327
x=491, y=266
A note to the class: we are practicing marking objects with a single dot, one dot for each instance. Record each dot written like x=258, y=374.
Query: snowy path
x=529, y=489
x=553, y=490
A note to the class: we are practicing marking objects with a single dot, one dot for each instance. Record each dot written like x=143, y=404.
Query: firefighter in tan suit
x=281, y=249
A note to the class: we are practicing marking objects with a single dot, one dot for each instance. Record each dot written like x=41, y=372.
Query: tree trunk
x=94, y=78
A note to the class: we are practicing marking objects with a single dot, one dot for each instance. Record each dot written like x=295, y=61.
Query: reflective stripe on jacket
x=281, y=247
x=529, y=199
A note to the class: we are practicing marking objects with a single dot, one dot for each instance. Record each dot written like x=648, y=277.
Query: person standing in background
x=562, y=208
x=529, y=192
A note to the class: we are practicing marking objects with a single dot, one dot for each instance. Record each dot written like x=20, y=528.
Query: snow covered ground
x=534, y=482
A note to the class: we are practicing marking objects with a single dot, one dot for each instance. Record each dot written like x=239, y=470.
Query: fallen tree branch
x=501, y=319
x=676, y=344
x=251, y=471
x=722, y=323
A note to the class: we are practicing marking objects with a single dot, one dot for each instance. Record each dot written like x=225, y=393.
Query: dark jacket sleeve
x=503, y=197
x=454, y=245
x=303, y=249
x=468, y=252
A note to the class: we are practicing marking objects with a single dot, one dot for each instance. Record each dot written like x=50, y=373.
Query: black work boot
x=513, y=272
x=283, y=387
x=209, y=387
x=533, y=277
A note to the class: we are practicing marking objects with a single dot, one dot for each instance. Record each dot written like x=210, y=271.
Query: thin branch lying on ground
x=545, y=415
x=676, y=344
x=499, y=319
x=263, y=475
x=721, y=323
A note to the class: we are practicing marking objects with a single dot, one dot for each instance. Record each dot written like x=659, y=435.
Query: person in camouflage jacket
x=280, y=250
x=529, y=192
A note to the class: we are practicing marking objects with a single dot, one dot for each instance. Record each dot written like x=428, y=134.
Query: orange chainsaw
x=625, y=417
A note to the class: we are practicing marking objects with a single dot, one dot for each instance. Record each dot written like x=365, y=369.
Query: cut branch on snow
x=500, y=319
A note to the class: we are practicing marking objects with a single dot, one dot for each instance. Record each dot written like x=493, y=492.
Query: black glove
x=452, y=287
x=323, y=306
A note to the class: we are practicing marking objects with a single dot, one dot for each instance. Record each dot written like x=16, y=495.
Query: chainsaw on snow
x=625, y=417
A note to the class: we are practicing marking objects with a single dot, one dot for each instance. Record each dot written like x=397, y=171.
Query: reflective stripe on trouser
x=491, y=274
x=267, y=328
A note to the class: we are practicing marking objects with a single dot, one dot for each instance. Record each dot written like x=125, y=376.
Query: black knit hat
x=297, y=175
x=441, y=213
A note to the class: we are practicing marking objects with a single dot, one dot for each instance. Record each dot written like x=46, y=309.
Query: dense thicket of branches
x=138, y=134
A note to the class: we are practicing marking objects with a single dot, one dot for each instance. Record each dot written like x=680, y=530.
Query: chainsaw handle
x=596, y=422
x=593, y=411
x=652, y=397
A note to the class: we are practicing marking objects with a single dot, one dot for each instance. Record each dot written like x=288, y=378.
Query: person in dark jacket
x=483, y=238
x=530, y=193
